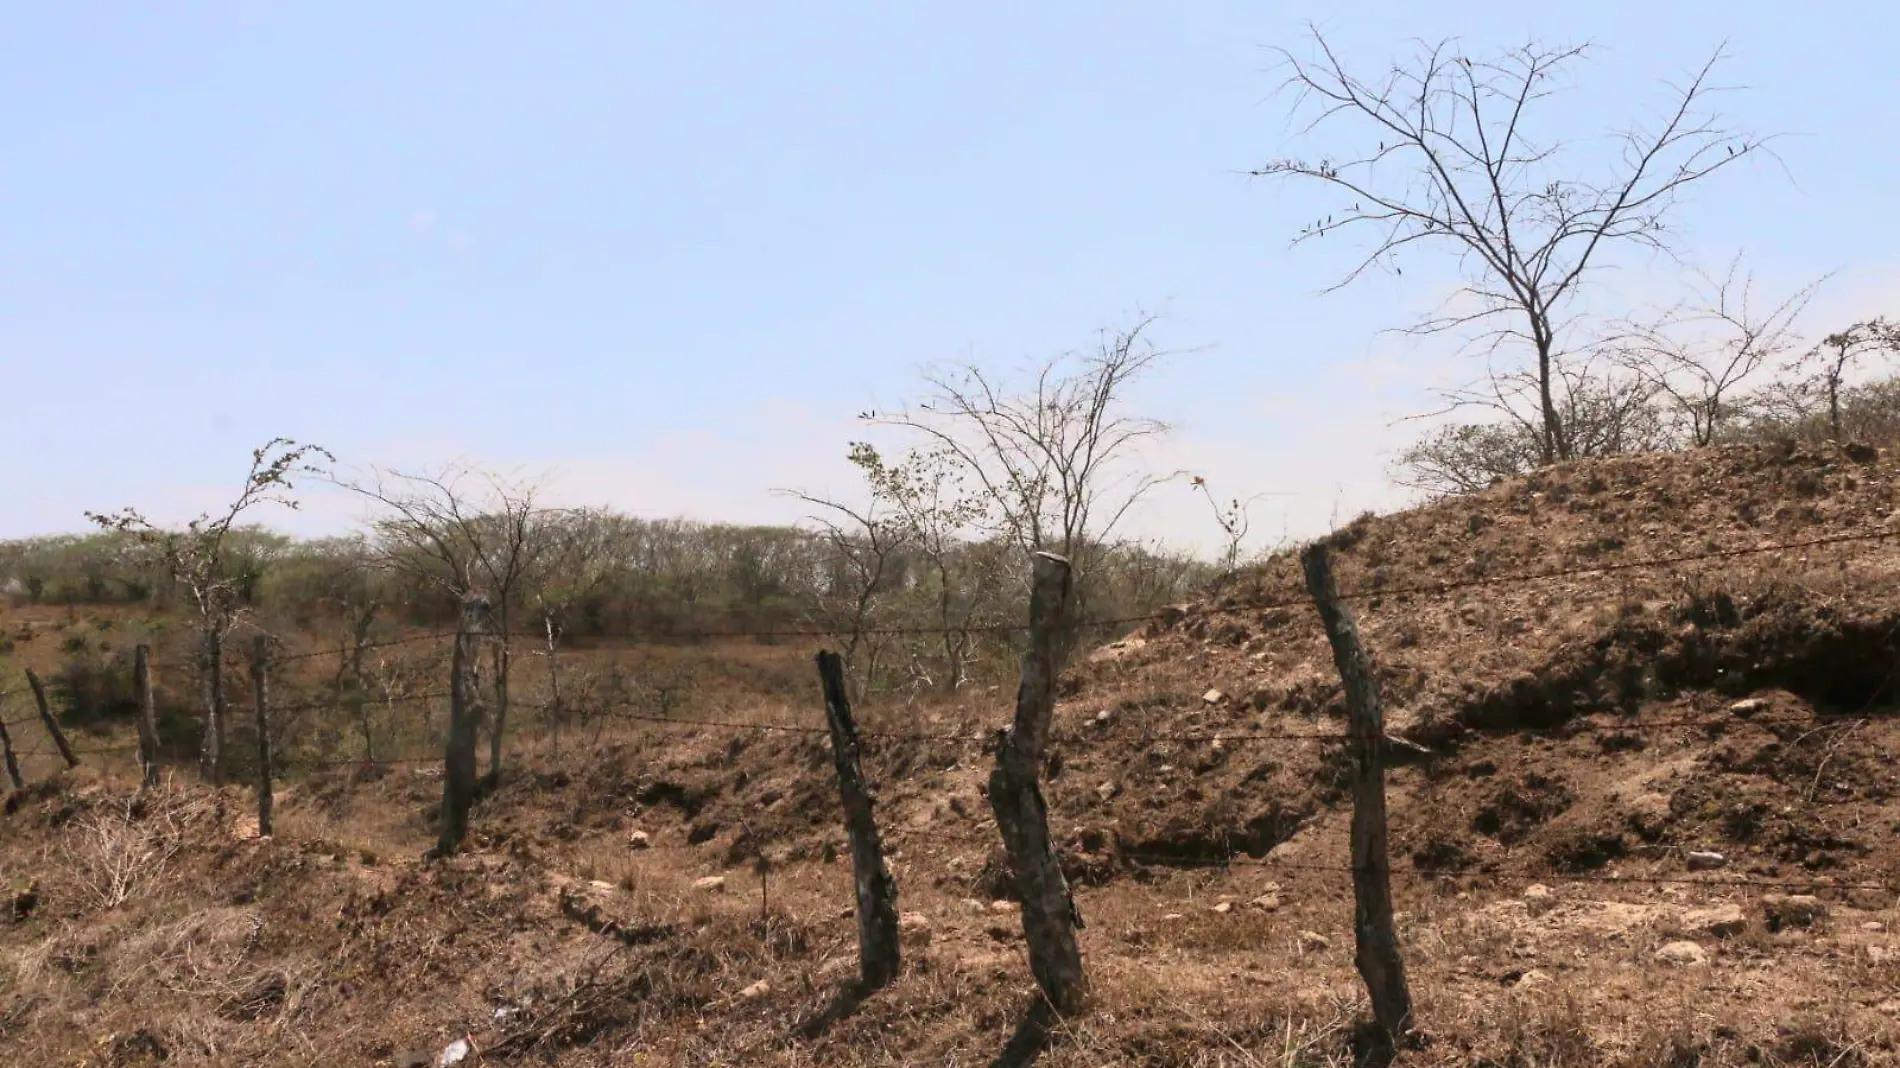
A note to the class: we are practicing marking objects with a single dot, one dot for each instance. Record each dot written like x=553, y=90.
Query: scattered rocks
x=1792, y=910
x=711, y=884
x=1314, y=942
x=1683, y=954
x=1722, y=921
x=1214, y=697
x=1705, y=860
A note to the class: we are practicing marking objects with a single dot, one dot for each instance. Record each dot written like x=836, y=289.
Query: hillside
x=1574, y=726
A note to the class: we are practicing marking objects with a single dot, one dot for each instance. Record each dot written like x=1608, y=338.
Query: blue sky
x=667, y=251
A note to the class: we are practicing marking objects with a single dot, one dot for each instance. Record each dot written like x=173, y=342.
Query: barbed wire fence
x=1367, y=751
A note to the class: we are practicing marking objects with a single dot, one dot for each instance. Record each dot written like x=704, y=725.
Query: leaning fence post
x=46, y=717
x=458, y=772
x=148, y=713
x=260, y=695
x=878, y=955
x=1377, y=955
x=6, y=747
x=1050, y=919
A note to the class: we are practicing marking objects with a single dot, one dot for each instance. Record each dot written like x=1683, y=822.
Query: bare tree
x=1699, y=352
x=1839, y=352
x=465, y=533
x=1055, y=462
x=1234, y=517
x=199, y=558
x=1451, y=156
x=578, y=560
x=867, y=544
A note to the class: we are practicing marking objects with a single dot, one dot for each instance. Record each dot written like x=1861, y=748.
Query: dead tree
x=1451, y=154
x=1839, y=351
x=1050, y=918
x=878, y=954
x=1377, y=941
x=6, y=750
x=458, y=772
x=46, y=718
x=260, y=696
x=148, y=714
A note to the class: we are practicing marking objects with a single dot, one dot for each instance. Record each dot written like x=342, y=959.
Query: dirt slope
x=1577, y=737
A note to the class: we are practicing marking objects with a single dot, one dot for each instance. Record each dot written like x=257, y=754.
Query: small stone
x=1706, y=860
x=711, y=884
x=1748, y=706
x=1107, y=791
x=1214, y=697
x=1224, y=907
x=1873, y=925
x=601, y=885
x=639, y=840
x=1102, y=718
x=756, y=990
x=1172, y=916
x=1792, y=910
x=1266, y=902
x=1539, y=898
x=1532, y=979
x=1683, y=954
x=455, y=1053
x=1005, y=906
x=1314, y=942
x=1723, y=921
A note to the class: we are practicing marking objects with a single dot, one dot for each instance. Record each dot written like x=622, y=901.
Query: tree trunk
x=878, y=954
x=46, y=717
x=260, y=698
x=1377, y=955
x=1555, y=447
x=458, y=773
x=13, y=763
x=211, y=751
x=148, y=713
x=1050, y=919
x=500, y=722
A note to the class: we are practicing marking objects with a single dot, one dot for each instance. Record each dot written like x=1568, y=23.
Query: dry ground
x=1578, y=738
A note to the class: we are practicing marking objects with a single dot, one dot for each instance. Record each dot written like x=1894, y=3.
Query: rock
x=914, y=928
x=1214, y=697
x=1539, y=899
x=1224, y=907
x=1314, y=942
x=838, y=967
x=756, y=990
x=1682, y=954
x=1173, y=916
x=1722, y=921
x=1704, y=860
x=601, y=886
x=711, y=884
x=1266, y=902
x=1103, y=717
x=1792, y=910
x=1873, y=925
x=1748, y=706
x=455, y=1053
x=1531, y=980
x=639, y=840
x=1107, y=791
x=1005, y=906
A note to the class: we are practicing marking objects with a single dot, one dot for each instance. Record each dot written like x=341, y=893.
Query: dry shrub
x=110, y=852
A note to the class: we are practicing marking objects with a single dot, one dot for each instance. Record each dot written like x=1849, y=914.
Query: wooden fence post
x=260, y=695
x=1050, y=919
x=500, y=723
x=211, y=753
x=148, y=713
x=46, y=717
x=1377, y=942
x=878, y=953
x=6, y=747
x=458, y=773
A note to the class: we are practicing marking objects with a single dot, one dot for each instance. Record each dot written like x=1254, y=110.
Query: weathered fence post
x=878, y=954
x=260, y=695
x=1377, y=942
x=1050, y=919
x=458, y=772
x=46, y=717
x=500, y=723
x=6, y=747
x=148, y=713
x=211, y=754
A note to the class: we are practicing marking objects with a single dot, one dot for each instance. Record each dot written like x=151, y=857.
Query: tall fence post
x=6, y=748
x=1050, y=919
x=500, y=719
x=260, y=696
x=458, y=773
x=46, y=717
x=878, y=953
x=1377, y=942
x=211, y=753
x=148, y=713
